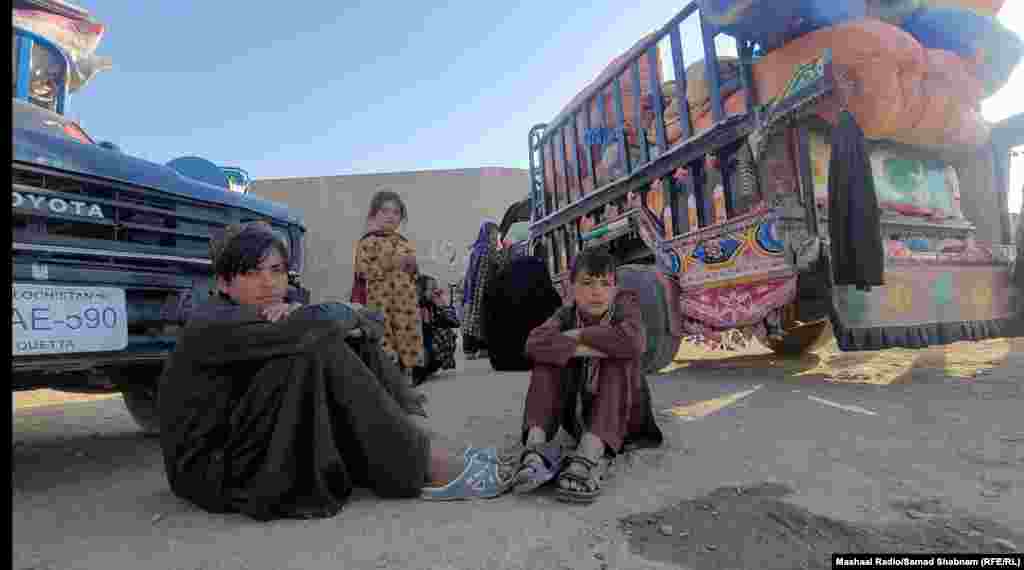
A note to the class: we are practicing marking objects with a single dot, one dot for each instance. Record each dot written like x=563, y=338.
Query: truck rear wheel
x=661, y=344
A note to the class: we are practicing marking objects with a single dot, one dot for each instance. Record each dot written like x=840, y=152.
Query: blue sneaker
x=483, y=453
x=480, y=479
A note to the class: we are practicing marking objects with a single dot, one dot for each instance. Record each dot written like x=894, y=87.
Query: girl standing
x=385, y=279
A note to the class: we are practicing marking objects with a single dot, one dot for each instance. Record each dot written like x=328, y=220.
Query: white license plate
x=51, y=319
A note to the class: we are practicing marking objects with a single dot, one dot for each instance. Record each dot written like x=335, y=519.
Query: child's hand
x=278, y=311
x=584, y=350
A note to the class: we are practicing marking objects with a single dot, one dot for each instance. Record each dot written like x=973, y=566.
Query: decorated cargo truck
x=792, y=171
x=110, y=252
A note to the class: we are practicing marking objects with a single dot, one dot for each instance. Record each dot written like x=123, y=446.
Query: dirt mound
x=753, y=527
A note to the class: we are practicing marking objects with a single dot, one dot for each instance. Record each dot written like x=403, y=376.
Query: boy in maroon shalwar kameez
x=586, y=377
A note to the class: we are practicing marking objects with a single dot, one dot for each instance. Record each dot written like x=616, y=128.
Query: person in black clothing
x=277, y=410
x=519, y=298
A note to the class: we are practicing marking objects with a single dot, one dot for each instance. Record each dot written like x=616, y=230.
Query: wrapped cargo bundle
x=992, y=50
x=903, y=92
x=772, y=23
x=698, y=95
x=896, y=11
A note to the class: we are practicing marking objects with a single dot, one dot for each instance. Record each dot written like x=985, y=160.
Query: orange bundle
x=900, y=90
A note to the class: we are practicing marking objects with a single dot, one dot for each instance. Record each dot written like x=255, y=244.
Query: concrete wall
x=445, y=211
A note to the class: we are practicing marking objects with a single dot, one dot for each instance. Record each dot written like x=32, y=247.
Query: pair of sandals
x=579, y=479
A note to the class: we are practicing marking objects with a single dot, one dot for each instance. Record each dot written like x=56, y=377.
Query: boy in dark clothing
x=273, y=409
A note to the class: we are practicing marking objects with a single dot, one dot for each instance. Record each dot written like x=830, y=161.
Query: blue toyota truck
x=110, y=252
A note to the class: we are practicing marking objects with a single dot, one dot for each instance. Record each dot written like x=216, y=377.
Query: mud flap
x=925, y=304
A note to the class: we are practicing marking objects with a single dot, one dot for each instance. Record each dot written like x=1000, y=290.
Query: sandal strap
x=590, y=483
x=577, y=458
x=538, y=449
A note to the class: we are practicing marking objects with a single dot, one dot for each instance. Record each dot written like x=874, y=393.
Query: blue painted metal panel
x=539, y=205
x=659, y=112
x=703, y=193
x=602, y=116
x=747, y=75
x=24, y=67
x=587, y=127
x=545, y=191
x=565, y=165
x=200, y=169
x=711, y=68
x=26, y=41
x=620, y=127
x=549, y=150
x=678, y=65
x=641, y=135
x=577, y=145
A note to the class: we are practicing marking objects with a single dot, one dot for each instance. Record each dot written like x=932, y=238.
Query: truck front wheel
x=142, y=405
x=138, y=386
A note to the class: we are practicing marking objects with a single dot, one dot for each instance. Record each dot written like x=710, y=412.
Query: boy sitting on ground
x=588, y=353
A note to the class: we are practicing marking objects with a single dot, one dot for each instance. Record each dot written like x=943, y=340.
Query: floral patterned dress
x=393, y=292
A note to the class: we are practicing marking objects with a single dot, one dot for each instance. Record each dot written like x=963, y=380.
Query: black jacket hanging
x=853, y=214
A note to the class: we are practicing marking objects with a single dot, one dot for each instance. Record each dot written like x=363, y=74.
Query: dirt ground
x=767, y=463
x=738, y=527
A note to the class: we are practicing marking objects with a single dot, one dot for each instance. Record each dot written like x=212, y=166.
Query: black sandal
x=590, y=479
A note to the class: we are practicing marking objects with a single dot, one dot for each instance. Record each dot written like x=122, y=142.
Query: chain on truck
x=707, y=177
x=110, y=252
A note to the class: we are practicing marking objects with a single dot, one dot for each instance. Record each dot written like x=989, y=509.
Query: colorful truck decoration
x=709, y=179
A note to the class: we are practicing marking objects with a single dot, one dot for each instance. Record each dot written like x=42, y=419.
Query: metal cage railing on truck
x=551, y=217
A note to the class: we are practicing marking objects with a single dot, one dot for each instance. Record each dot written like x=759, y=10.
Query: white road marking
x=847, y=407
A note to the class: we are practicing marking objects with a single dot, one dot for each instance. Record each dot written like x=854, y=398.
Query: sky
x=358, y=87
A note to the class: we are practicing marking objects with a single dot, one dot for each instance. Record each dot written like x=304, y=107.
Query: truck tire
x=802, y=338
x=142, y=405
x=138, y=386
x=661, y=344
